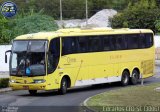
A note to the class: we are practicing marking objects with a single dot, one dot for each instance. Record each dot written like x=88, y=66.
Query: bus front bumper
x=18, y=86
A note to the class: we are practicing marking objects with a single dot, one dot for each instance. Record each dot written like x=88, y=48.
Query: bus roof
x=80, y=32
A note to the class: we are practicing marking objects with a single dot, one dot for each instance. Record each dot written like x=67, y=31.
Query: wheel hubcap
x=64, y=84
x=125, y=79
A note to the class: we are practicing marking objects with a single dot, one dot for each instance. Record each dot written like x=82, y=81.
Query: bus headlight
x=12, y=81
x=39, y=81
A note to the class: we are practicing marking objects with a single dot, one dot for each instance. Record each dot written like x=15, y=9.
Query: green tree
x=3, y=29
x=141, y=14
x=157, y=25
x=33, y=23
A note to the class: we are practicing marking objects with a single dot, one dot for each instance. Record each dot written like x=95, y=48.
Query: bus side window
x=149, y=40
x=142, y=41
x=112, y=42
x=133, y=40
x=106, y=43
x=94, y=44
x=54, y=54
x=83, y=46
x=120, y=42
x=146, y=40
x=69, y=45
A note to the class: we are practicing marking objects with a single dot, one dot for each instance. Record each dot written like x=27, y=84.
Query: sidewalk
x=5, y=90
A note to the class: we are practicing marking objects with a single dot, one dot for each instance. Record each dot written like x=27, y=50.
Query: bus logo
x=9, y=9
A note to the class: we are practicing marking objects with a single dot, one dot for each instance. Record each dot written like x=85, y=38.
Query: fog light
x=39, y=81
x=12, y=81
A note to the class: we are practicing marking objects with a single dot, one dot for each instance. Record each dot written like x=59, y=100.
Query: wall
x=4, y=66
x=157, y=45
x=157, y=41
x=158, y=53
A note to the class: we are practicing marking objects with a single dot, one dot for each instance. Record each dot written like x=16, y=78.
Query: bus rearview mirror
x=6, y=55
x=5, y=58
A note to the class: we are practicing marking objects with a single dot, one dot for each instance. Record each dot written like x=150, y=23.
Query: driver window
x=54, y=54
x=14, y=61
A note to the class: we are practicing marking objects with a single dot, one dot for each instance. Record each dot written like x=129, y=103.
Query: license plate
x=26, y=87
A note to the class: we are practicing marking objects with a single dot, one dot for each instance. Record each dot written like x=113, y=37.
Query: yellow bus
x=77, y=57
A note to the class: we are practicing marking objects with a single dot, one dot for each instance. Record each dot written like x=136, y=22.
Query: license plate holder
x=26, y=87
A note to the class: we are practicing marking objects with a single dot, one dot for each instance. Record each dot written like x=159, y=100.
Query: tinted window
x=106, y=44
x=72, y=45
x=139, y=41
x=69, y=45
x=54, y=54
x=149, y=40
x=55, y=46
x=133, y=41
x=83, y=44
x=112, y=42
x=120, y=42
x=142, y=41
x=94, y=44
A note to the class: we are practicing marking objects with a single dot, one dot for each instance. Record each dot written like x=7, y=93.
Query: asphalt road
x=50, y=101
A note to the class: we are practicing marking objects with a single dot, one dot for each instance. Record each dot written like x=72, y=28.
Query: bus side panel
x=75, y=65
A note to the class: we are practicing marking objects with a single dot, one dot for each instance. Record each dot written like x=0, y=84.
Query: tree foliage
x=157, y=25
x=3, y=29
x=33, y=23
x=141, y=14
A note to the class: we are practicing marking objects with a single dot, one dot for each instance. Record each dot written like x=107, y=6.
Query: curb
x=85, y=107
x=85, y=101
x=88, y=109
x=84, y=104
x=5, y=90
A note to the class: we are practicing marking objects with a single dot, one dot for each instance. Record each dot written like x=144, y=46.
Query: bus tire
x=63, y=88
x=125, y=78
x=32, y=92
x=134, y=77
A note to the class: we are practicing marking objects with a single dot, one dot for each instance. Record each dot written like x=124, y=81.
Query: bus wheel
x=135, y=77
x=63, y=88
x=33, y=92
x=125, y=78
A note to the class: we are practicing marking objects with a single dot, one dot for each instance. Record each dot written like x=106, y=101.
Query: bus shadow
x=107, y=86
x=91, y=88
x=95, y=87
x=75, y=90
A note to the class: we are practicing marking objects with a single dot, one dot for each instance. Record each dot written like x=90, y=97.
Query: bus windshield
x=28, y=58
